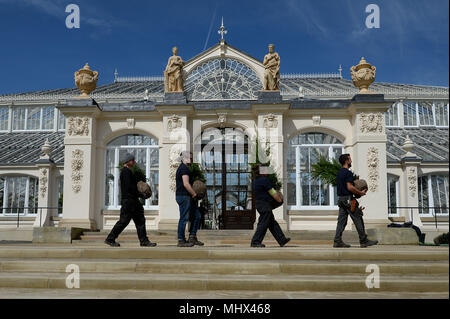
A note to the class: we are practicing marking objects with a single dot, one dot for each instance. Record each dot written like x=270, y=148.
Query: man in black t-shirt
x=264, y=196
x=187, y=201
x=346, y=192
x=131, y=207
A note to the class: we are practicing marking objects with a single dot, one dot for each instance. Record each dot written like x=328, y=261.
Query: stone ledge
x=56, y=234
x=393, y=236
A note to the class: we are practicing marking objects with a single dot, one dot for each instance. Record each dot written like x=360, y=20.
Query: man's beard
x=349, y=165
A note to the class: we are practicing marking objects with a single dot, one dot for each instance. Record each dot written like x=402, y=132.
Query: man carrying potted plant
x=346, y=192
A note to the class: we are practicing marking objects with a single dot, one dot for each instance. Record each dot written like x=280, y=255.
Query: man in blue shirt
x=346, y=192
x=265, y=194
x=187, y=201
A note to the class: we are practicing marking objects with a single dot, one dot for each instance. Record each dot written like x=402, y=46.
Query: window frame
x=298, y=187
x=116, y=200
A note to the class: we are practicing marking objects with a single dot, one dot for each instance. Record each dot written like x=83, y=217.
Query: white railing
x=311, y=76
x=138, y=78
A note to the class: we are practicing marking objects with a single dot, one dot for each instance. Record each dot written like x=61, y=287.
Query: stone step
x=313, y=252
x=169, y=266
x=226, y=282
x=37, y=293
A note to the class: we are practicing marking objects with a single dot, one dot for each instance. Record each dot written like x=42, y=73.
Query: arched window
x=222, y=79
x=303, y=151
x=146, y=151
x=18, y=195
x=433, y=194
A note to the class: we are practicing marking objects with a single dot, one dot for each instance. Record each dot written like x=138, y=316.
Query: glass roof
x=222, y=79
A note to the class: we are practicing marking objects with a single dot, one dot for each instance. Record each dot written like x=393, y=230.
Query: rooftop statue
x=272, y=71
x=173, y=74
x=86, y=80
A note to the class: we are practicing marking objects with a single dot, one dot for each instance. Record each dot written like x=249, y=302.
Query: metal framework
x=222, y=79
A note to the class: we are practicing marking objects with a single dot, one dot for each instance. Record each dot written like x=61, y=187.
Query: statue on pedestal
x=173, y=75
x=272, y=71
x=363, y=75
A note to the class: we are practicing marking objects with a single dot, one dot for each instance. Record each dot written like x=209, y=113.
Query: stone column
x=369, y=154
x=79, y=163
x=409, y=185
x=45, y=166
x=270, y=128
x=176, y=138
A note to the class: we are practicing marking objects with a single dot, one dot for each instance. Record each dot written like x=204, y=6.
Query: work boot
x=286, y=240
x=148, y=243
x=341, y=244
x=193, y=239
x=184, y=243
x=112, y=243
x=368, y=243
x=257, y=245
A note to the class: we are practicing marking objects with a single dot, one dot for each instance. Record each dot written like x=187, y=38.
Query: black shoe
x=368, y=243
x=148, y=243
x=341, y=244
x=112, y=243
x=195, y=241
x=285, y=242
x=258, y=245
x=184, y=243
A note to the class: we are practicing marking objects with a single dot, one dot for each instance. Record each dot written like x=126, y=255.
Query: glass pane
x=425, y=113
x=60, y=182
x=423, y=195
x=48, y=117
x=4, y=115
x=391, y=115
x=441, y=113
x=2, y=193
x=409, y=113
x=16, y=192
x=109, y=178
x=33, y=196
x=34, y=118
x=61, y=121
x=18, y=118
x=291, y=174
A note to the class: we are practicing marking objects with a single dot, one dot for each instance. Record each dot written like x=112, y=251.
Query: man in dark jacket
x=346, y=192
x=131, y=206
x=264, y=196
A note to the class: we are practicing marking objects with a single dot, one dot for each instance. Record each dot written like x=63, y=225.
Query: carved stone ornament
x=372, y=165
x=221, y=119
x=130, y=123
x=371, y=122
x=270, y=121
x=174, y=162
x=363, y=76
x=174, y=122
x=316, y=120
x=86, y=80
x=46, y=150
x=77, y=166
x=412, y=181
x=43, y=182
x=78, y=126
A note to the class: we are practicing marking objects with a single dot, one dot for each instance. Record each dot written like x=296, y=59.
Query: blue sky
x=38, y=52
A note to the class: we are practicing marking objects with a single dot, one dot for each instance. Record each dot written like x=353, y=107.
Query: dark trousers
x=267, y=221
x=130, y=210
x=188, y=212
x=357, y=217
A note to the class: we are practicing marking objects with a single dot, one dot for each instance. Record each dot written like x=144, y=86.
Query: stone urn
x=86, y=80
x=363, y=76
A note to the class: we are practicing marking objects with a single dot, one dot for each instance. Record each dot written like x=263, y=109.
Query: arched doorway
x=224, y=159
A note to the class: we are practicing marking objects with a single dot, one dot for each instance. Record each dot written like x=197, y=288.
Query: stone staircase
x=222, y=237
x=224, y=270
